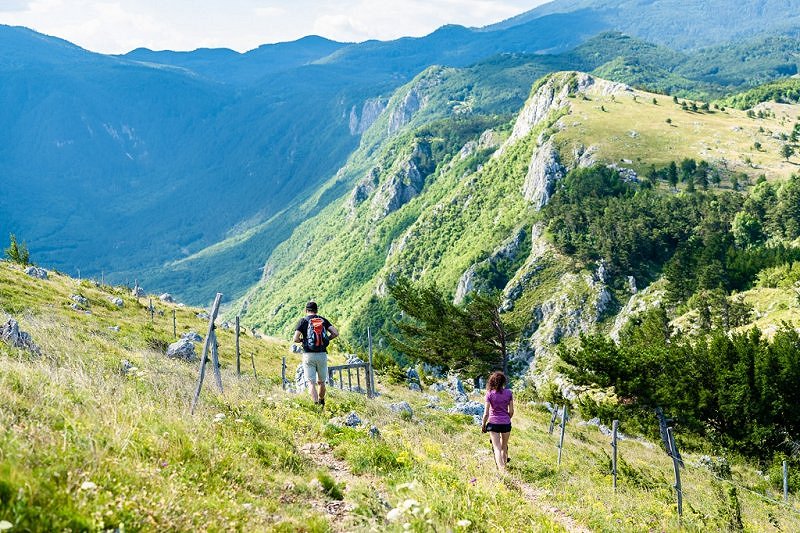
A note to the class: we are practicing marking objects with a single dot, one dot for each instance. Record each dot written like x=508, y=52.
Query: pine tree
x=17, y=253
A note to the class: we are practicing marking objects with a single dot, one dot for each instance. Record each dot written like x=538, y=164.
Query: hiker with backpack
x=315, y=332
x=497, y=415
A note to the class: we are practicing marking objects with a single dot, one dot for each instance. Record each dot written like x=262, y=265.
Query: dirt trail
x=538, y=497
x=339, y=512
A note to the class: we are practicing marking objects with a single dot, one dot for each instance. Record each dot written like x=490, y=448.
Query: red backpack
x=316, y=337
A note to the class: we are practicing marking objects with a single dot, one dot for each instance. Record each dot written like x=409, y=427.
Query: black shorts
x=498, y=428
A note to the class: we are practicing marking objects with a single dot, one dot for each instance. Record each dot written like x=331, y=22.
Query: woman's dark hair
x=497, y=381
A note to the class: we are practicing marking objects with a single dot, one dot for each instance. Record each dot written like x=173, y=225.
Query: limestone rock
x=374, y=432
x=352, y=420
x=471, y=408
x=403, y=185
x=36, y=272
x=137, y=292
x=80, y=300
x=203, y=315
x=370, y=112
x=192, y=336
x=11, y=335
x=115, y=329
x=167, y=298
x=182, y=349
x=415, y=387
x=116, y=301
x=507, y=251
x=401, y=407
x=543, y=171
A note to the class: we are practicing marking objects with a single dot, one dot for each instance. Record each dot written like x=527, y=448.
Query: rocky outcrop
x=370, y=112
x=638, y=303
x=414, y=100
x=11, y=335
x=488, y=140
x=36, y=272
x=470, y=408
x=137, y=292
x=167, y=298
x=543, y=171
x=509, y=250
x=364, y=188
x=182, y=349
x=403, y=185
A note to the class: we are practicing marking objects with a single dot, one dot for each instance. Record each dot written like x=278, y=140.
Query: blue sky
x=118, y=26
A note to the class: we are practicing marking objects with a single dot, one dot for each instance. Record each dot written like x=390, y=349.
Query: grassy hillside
x=85, y=446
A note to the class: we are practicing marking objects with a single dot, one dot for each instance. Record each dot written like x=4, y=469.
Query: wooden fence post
x=174, y=325
x=614, y=428
x=215, y=362
x=553, y=420
x=370, y=375
x=152, y=310
x=564, y=418
x=677, y=467
x=785, y=482
x=206, y=344
x=283, y=373
x=238, y=357
x=253, y=361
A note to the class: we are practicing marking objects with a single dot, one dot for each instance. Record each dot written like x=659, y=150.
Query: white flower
x=464, y=523
x=408, y=504
x=406, y=526
x=394, y=515
x=88, y=485
x=5, y=524
x=219, y=417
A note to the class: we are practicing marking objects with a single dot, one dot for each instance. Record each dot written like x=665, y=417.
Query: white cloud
x=117, y=26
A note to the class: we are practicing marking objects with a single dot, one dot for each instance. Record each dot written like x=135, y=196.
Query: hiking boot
x=322, y=402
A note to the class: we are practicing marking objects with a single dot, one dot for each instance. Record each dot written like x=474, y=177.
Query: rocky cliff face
x=415, y=99
x=404, y=184
x=509, y=250
x=544, y=170
x=370, y=112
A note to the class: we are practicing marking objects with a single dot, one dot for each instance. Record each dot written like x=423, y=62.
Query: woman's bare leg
x=504, y=448
x=497, y=446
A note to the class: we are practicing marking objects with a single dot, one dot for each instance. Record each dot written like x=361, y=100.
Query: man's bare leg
x=321, y=391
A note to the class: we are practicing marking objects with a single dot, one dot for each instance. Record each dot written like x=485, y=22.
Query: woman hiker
x=497, y=415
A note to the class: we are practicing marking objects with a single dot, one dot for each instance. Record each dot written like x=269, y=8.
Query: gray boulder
x=192, y=336
x=167, y=298
x=415, y=387
x=401, y=407
x=437, y=387
x=36, y=272
x=455, y=385
x=354, y=360
x=116, y=301
x=126, y=366
x=80, y=300
x=11, y=335
x=137, y=292
x=473, y=409
x=182, y=349
x=374, y=432
x=113, y=328
x=203, y=315
x=352, y=420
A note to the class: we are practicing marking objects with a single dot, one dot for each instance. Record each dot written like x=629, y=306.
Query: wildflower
x=473, y=480
x=5, y=524
x=464, y=523
x=394, y=515
x=88, y=485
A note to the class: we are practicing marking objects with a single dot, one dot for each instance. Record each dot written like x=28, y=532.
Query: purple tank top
x=498, y=406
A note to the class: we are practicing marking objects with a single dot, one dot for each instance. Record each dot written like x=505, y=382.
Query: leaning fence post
x=370, y=377
x=553, y=420
x=564, y=418
x=215, y=362
x=614, y=428
x=206, y=344
x=238, y=357
x=253, y=361
x=152, y=310
x=174, y=325
x=283, y=373
x=677, y=467
x=785, y=482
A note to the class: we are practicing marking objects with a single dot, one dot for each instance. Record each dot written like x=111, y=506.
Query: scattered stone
x=401, y=407
x=456, y=385
x=473, y=409
x=352, y=420
x=203, y=315
x=182, y=349
x=11, y=335
x=374, y=432
x=415, y=387
x=116, y=301
x=126, y=367
x=113, y=328
x=192, y=336
x=137, y=292
x=76, y=307
x=437, y=387
x=167, y=298
x=219, y=417
x=225, y=325
x=36, y=272
x=80, y=300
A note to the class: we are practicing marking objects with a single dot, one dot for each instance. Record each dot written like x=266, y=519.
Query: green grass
x=85, y=447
